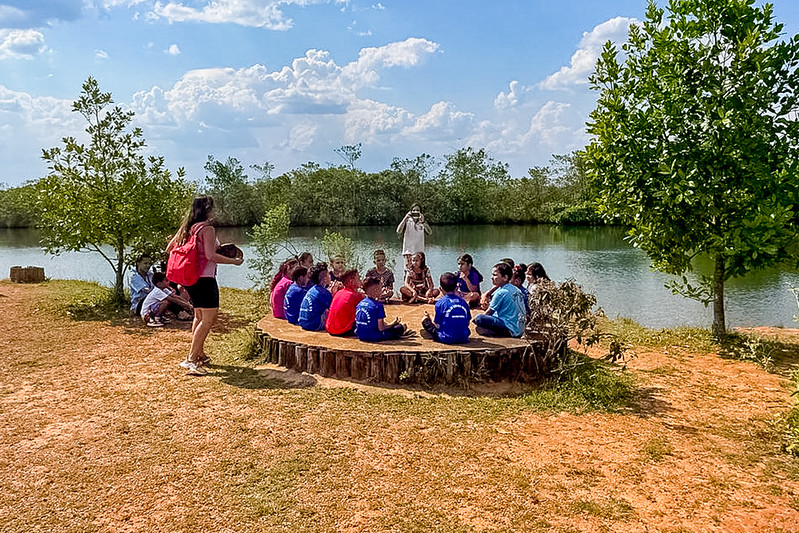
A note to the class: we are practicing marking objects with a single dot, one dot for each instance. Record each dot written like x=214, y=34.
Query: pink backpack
x=185, y=261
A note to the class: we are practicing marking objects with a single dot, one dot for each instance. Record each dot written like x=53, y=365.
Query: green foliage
x=107, y=193
x=749, y=348
x=559, y=313
x=268, y=237
x=694, y=138
x=790, y=424
x=18, y=206
x=584, y=384
x=234, y=201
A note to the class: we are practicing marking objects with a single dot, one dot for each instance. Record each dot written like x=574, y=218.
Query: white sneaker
x=185, y=364
x=195, y=370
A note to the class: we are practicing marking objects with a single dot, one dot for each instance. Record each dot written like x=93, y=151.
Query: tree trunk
x=119, y=284
x=719, y=323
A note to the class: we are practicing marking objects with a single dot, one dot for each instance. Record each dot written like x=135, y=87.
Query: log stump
x=30, y=274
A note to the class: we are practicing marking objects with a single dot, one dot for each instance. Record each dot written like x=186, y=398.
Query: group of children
x=338, y=301
x=153, y=297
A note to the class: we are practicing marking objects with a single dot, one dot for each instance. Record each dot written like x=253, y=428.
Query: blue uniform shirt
x=367, y=313
x=313, y=308
x=452, y=317
x=292, y=302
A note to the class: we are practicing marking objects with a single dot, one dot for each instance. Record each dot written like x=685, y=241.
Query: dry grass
x=101, y=431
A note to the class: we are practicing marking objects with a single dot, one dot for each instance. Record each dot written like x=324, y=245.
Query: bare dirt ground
x=101, y=431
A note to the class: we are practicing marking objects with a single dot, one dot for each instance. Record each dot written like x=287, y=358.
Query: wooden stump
x=327, y=363
x=27, y=274
x=358, y=367
x=301, y=358
x=342, y=365
x=313, y=360
x=391, y=368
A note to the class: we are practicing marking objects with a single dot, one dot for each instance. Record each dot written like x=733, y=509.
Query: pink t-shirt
x=277, y=297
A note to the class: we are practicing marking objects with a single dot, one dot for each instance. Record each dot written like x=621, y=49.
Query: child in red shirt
x=341, y=316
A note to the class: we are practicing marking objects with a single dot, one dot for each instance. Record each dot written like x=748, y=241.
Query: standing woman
x=412, y=227
x=205, y=293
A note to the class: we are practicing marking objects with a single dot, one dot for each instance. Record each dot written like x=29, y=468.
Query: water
x=598, y=258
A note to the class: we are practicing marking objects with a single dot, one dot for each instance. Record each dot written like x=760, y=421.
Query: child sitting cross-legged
x=418, y=285
x=341, y=316
x=384, y=274
x=158, y=300
x=451, y=325
x=370, y=316
x=295, y=293
x=314, y=306
x=506, y=316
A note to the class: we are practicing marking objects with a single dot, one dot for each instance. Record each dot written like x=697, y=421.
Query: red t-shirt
x=341, y=316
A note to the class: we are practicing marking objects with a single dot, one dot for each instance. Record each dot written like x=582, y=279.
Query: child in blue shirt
x=506, y=316
x=314, y=306
x=370, y=313
x=451, y=325
x=295, y=294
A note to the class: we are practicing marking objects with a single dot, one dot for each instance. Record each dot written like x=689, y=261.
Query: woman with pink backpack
x=192, y=263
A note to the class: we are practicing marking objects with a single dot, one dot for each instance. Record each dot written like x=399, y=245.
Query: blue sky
x=289, y=81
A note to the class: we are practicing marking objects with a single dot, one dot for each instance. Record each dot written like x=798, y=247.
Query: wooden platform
x=415, y=359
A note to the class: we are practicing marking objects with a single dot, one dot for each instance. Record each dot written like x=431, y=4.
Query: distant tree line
x=467, y=187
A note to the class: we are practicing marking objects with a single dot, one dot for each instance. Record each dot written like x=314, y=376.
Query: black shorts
x=204, y=294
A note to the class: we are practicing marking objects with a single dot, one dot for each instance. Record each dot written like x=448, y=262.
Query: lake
x=598, y=258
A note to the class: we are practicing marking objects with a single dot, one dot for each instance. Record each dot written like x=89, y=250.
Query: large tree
x=695, y=140
x=106, y=196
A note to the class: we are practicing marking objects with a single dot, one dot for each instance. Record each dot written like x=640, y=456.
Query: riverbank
x=101, y=430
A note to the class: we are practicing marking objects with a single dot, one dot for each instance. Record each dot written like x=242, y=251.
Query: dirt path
x=101, y=431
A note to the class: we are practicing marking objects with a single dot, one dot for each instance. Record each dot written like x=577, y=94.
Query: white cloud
x=443, y=120
x=173, y=50
x=21, y=44
x=252, y=13
x=512, y=98
x=27, y=125
x=28, y=14
x=378, y=6
x=101, y=54
x=584, y=59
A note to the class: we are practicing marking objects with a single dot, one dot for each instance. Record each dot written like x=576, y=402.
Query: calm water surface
x=598, y=258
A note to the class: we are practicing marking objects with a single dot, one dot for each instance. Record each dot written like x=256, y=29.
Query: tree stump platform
x=417, y=359
x=30, y=274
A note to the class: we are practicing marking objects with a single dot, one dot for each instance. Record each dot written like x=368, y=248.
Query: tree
x=107, y=194
x=694, y=140
x=235, y=201
x=350, y=153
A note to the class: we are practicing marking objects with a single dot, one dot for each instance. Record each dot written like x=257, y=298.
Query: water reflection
x=598, y=258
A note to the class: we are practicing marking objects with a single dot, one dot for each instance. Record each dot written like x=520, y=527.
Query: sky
x=287, y=82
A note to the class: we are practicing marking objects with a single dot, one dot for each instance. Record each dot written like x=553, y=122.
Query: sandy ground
x=101, y=431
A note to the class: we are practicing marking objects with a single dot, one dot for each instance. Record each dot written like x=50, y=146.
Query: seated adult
x=341, y=316
x=370, y=314
x=506, y=316
x=295, y=293
x=315, y=304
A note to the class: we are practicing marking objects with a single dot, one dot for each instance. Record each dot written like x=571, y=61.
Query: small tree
x=268, y=237
x=695, y=140
x=107, y=194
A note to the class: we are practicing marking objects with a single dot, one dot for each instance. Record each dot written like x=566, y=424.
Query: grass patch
x=790, y=424
x=656, y=449
x=84, y=301
x=632, y=333
x=584, y=384
x=617, y=509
